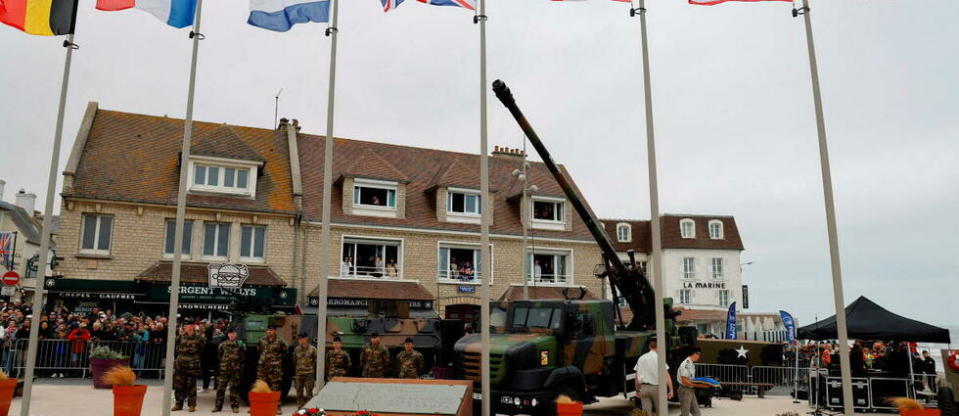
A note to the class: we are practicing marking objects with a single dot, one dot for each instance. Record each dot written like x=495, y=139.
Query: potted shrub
x=127, y=395
x=911, y=407
x=565, y=406
x=7, y=387
x=102, y=359
x=263, y=401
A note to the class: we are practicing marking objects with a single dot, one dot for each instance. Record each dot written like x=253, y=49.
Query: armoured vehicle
x=948, y=397
x=571, y=346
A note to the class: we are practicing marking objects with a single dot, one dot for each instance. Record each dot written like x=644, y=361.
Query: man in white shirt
x=687, y=391
x=647, y=379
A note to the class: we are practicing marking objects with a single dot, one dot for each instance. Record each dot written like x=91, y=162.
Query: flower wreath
x=953, y=361
x=310, y=412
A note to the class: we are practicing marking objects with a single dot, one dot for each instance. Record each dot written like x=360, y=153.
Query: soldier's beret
x=375, y=335
x=337, y=339
x=230, y=329
x=304, y=335
x=271, y=327
x=408, y=340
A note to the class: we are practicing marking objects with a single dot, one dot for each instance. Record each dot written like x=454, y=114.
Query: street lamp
x=522, y=176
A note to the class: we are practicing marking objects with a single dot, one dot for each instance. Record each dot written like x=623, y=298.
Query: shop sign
x=204, y=294
x=227, y=275
x=206, y=306
x=97, y=295
x=362, y=303
x=704, y=285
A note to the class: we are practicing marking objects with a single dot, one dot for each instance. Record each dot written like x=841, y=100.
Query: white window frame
x=223, y=164
x=689, y=268
x=569, y=277
x=216, y=241
x=96, y=235
x=166, y=233
x=375, y=210
x=724, y=298
x=440, y=245
x=716, y=225
x=463, y=217
x=369, y=239
x=626, y=237
x=682, y=228
x=555, y=225
x=252, y=258
x=717, y=272
x=686, y=296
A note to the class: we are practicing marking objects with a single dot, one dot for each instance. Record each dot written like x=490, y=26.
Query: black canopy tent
x=867, y=320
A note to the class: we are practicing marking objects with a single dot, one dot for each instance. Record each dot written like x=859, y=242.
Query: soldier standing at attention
x=186, y=367
x=270, y=366
x=338, y=362
x=375, y=358
x=231, y=353
x=304, y=359
x=410, y=361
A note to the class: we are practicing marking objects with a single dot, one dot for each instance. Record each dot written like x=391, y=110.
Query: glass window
x=717, y=267
x=723, y=298
x=689, y=268
x=376, y=197
x=370, y=258
x=687, y=228
x=715, y=230
x=241, y=176
x=199, y=175
x=547, y=268
x=459, y=263
x=97, y=233
x=170, y=234
x=623, y=233
x=548, y=210
x=252, y=241
x=216, y=239
x=685, y=296
x=229, y=176
x=220, y=179
x=463, y=203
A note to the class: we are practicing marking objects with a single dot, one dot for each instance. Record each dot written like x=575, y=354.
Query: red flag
x=114, y=5
x=712, y=2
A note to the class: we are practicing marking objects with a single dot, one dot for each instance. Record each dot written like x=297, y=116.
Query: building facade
x=23, y=225
x=404, y=229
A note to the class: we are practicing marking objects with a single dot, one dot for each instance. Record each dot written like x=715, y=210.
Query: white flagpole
x=324, y=260
x=657, y=254
x=830, y=220
x=485, y=218
x=45, y=236
x=171, y=332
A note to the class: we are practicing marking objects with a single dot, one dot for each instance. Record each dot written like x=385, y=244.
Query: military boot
x=236, y=410
x=279, y=410
x=176, y=408
x=216, y=409
x=192, y=408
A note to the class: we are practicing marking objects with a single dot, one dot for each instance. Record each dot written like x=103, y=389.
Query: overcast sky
x=733, y=111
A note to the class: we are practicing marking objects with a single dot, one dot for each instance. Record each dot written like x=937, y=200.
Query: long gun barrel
x=631, y=282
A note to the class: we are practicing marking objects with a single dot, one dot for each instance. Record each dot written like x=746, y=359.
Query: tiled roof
x=542, y=292
x=371, y=166
x=371, y=289
x=699, y=315
x=27, y=226
x=457, y=174
x=162, y=271
x=424, y=167
x=671, y=238
x=135, y=158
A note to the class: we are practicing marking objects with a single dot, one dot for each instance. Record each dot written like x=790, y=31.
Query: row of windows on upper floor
x=687, y=229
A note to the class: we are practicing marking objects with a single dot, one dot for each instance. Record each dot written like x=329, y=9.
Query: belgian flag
x=40, y=17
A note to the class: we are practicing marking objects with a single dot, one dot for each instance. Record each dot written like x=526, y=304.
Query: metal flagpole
x=830, y=218
x=485, y=218
x=45, y=236
x=324, y=261
x=657, y=254
x=196, y=35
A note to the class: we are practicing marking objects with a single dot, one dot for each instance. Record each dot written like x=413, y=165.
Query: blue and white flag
x=176, y=13
x=466, y=4
x=731, y=322
x=790, y=325
x=281, y=15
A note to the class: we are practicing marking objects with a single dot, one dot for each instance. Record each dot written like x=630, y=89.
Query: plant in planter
x=263, y=401
x=102, y=359
x=7, y=387
x=127, y=395
x=911, y=407
x=310, y=412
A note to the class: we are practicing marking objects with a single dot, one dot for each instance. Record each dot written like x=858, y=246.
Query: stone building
x=405, y=223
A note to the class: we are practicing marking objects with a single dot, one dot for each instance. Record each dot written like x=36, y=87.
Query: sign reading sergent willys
x=228, y=275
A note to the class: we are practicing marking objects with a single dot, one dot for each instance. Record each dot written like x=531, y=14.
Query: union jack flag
x=6, y=250
x=466, y=4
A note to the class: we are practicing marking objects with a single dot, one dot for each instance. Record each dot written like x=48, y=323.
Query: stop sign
x=11, y=278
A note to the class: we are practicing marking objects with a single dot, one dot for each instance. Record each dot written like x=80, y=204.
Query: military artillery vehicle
x=570, y=346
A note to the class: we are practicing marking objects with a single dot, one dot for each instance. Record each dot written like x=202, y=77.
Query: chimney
x=296, y=124
x=27, y=201
x=283, y=122
x=507, y=152
x=3, y=184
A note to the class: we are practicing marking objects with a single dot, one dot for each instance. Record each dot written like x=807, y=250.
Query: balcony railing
x=550, y=278
x=386, y=272
x=458, y=276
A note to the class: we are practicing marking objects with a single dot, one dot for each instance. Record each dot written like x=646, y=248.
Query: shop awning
x=162, y=272
x=544, y=292
x=374, y=289
x=93, y=289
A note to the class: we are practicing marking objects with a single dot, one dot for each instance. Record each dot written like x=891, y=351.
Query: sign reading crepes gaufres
x=228, y=275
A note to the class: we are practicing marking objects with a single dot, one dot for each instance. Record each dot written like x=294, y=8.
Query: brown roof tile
x=162, y=271
x=671, y=238
x=371, y=289
x=135, y=158
x=370, y=165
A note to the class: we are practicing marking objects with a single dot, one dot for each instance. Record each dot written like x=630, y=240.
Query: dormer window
x=687, y=228
x=624, y=233
x=374, y=198
x=549, y=213
x=224, y=176
x=463, y=202
x=716, y=230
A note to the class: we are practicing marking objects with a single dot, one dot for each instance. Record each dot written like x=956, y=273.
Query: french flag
x=281, y=15
x=176, y=13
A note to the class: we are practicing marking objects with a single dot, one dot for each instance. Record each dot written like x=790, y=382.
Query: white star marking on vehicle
x=741, y=352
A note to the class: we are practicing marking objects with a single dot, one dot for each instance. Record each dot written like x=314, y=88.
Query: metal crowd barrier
x=783, y=379
x=65, y=358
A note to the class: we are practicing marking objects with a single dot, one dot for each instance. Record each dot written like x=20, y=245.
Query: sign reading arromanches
x=228, y=275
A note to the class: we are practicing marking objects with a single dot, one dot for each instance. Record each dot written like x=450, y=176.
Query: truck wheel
x=947, y=402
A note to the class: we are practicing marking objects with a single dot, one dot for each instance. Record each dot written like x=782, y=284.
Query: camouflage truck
x=949, y=384
x=581, y=348
x=741, y=352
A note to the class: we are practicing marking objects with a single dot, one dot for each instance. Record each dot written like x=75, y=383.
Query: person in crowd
x=537, y=271
x=466, y=272
x=230, y=354
x=304, y=361
x=375, y=358
x=687, y=393
x=141, y=338
x=391, y=270
x=380, y=266
x=270, y=366
x=186, y=367
x=338, y=362
x=929, y=365
x=208, y=360
x=857, y=362
x=647, y=379
x=410, y=361
x=78, y=344
x=346, y=267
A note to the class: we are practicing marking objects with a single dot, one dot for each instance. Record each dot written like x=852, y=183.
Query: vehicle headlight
x=517, y=401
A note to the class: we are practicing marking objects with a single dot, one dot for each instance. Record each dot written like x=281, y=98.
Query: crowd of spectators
x=864, y=356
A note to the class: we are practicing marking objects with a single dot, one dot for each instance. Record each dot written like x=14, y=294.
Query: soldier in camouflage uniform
x=410, y=361
x=304, y=359
x=231, y=354
x=374, y=359
x=270, y=366
x=338, y=362
x=186, y=367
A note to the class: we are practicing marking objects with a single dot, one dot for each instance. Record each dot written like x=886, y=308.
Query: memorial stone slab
x=394, y=398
